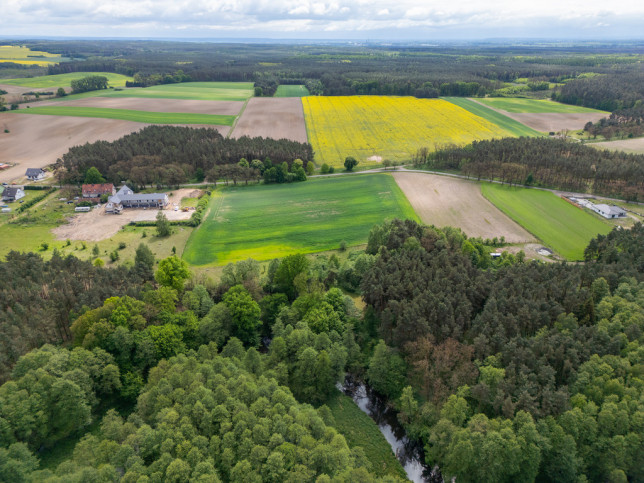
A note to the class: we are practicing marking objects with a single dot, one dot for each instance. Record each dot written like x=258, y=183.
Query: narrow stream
x=409, y=453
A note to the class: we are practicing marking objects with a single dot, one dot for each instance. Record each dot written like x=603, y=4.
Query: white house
x=607, y=211
x=12, y=193
x=35, y=174
x=126, y=198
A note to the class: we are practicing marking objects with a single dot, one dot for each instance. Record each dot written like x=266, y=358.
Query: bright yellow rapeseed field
x=371, y=128
x=23, y=55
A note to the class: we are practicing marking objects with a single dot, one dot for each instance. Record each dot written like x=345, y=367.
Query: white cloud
x=323, y=18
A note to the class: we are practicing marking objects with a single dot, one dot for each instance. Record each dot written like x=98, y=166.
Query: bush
x=122, y=245
x=44, y=246
x=324, y=169
x=114, y=256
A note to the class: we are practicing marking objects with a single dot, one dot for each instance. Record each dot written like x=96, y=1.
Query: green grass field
x=201, y=91
x=269, y=221
x=515, y=127
x=291, y=91
x=360, y=430
x=519, y=105
x=558, y=224
x=130, y=115
x=65, y=80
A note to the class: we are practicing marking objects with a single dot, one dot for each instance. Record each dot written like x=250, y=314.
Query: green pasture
x=131, y=115
x=291, y=91
x=360, y=430
x=201, y=91
x=270, y=221
x=65, y=80
x=558, y=224
x=519, y=105
x=504, y=122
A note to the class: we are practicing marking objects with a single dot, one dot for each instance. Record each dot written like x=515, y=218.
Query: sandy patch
x=98, y=225
x=374, y=158
x=36, y=141
x=228, y=108
x=444, y=201
x=635, y=145
x=273, y=117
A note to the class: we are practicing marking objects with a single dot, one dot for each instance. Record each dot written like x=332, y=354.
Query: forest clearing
x=445, y=201
x=291, y=91
x=559, y=225
x=269, y=221
x=277, y=118
x=390, y=127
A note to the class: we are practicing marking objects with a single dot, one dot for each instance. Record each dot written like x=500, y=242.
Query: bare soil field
x=629, y=145
x=555, y=121
x=37, y=141
x=550, y=121
x=273, y=117
x=228, y=108
x=14, y=93
x=98, y=225
x=444, y=201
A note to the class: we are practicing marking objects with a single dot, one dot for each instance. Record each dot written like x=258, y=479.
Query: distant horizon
x=324, y=20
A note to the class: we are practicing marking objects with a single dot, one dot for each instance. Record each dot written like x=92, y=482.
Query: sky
x=325, y=20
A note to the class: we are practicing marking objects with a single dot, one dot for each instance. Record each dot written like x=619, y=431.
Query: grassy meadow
x=65, y=80
x=388, y=127
x=515, y=128
x=132, y=115
x=291, y=91
x=360, y=430
x=520, y=105
x=270, y=221
x=559, y=225
x=201, y=91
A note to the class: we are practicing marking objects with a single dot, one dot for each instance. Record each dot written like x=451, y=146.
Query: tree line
x=609, y=92
x=170, y=155
x=554, y=163
x=623, y=123
x=535, y=364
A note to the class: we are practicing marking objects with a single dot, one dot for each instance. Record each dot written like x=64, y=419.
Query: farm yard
x=445, y=201
x=511, y=125
x=544, y=115
x=269, y=221
x=277, y=118
x=559, y=225
x=132, y=115
x=388, y=127
x=292, y=91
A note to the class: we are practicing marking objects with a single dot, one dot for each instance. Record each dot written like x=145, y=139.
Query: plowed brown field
x=444, y=201
x=272, y=117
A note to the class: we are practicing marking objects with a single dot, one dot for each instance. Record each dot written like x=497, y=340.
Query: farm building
x=35, y=174
x=607, y=211
x=126, y=198
x=12, y=193
x=93, y=192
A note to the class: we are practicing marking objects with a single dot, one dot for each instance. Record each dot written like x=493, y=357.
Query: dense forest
x=623, y=123
x=458, y=69
x=536, y=364
x=553, y=163
x=170, y=155
x=612, y=92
